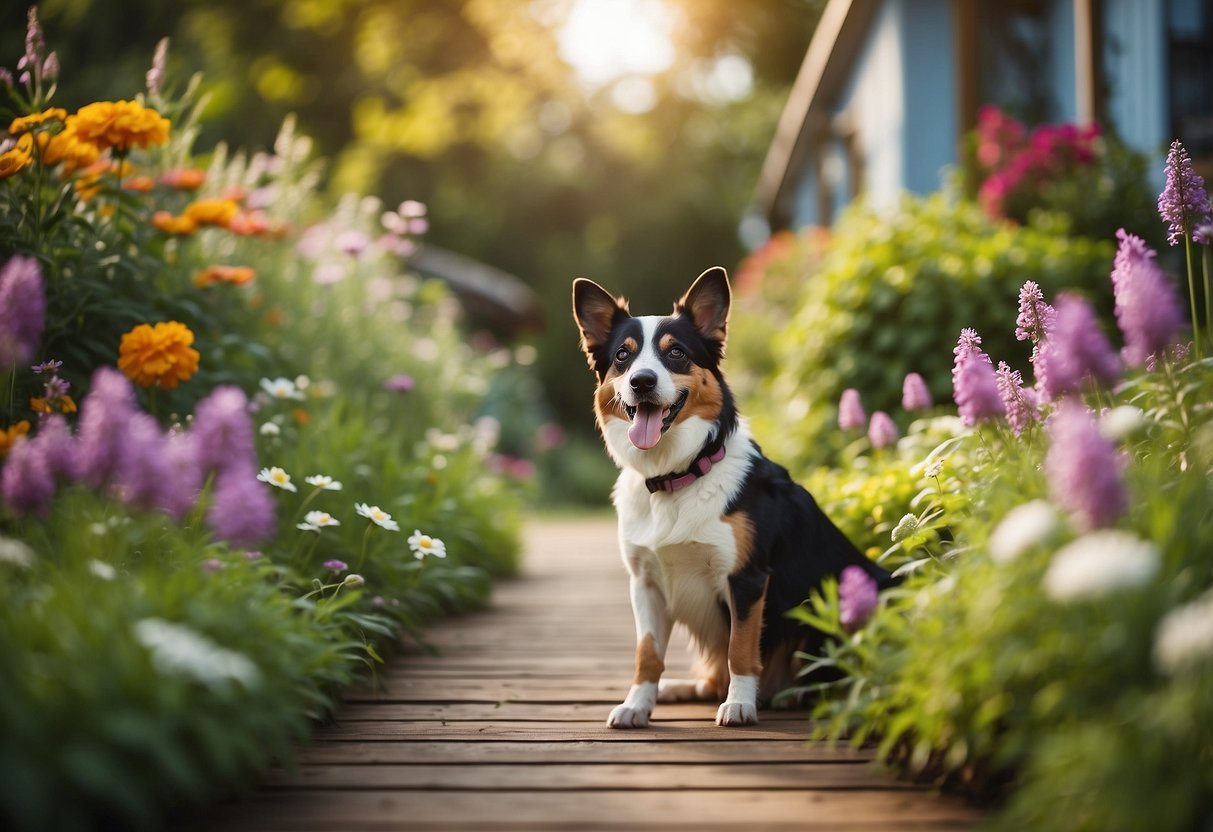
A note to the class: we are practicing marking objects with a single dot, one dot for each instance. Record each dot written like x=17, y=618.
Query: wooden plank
x=682, y=731
x=773, y=776
x=323, y=809
x=530, y=711
x=446, y=752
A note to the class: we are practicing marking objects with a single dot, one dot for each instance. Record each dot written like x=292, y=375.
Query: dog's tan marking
x=666, y=342
x=743, y=538
x=705, y=397
x=649, y=665
x=745, y=640
x=606, y=402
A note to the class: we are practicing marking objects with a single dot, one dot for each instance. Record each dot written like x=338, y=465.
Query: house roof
x=826, y=67
x=486, y=292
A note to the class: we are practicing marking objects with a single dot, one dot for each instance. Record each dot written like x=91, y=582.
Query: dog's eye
x=676, y=353
x=622, y=354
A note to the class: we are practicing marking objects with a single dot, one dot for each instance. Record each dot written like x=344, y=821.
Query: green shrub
x=892, y=293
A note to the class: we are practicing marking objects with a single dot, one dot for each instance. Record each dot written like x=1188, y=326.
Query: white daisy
x=1098, y=564
x=377, y=516
x=323, y=481
x=314, y=521
x=281, y=388
x=423, y=544
x=278, y=478
x=270, y=429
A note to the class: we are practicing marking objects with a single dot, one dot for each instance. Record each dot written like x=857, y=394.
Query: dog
x=715, y=536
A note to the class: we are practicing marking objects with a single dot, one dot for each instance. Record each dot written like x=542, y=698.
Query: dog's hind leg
x=653, y=625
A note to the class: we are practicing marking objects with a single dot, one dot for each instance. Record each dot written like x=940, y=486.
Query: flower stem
x=1192, y=297
x=366, y=536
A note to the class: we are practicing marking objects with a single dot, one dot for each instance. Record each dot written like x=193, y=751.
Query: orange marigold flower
x=185, y=179
x=249, y=223
x=16, y=156
x=139, y=184
x=9, y=435
x=159, y=355
x=212, y=212
x=169, y=224
x=30, y=123
x=66, y=148
x=235, y=275
x=121, y=125
x=60, y=404
x=301, y=416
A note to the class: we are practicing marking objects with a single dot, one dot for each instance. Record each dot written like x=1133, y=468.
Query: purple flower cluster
x=974, y=385
x=881, y=430
x=22, y=310
x=1084, y=468
x=914, y=393
x=1036, y=317
x=1183, y=203
x=1148, y=309
x=1019, y=402
x=1075, y=351
x=857, y=598
x=120, y=448
x=851, y=415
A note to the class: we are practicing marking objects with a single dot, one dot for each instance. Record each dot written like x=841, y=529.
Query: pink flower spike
x=851, y=415
x=914, y=393
x=881, y=430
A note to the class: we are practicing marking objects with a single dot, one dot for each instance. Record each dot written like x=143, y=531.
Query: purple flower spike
x=1183, y=203
x=22, y=310
x=1084, y=469
x=104, y=415
x=1035, y=316
x=1148, y=308
x=144, y=470
x=242, y=508
x=1019, y=401
x=850, y=411
x=223, y=430
x=914, y=393
x=881, y=430
x=857, y=597
x=976, y=391
x=1076, y=350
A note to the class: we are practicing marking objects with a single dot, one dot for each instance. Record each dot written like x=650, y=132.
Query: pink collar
x=673, y=482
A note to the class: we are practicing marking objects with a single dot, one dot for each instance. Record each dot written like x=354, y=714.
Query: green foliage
x=891, y=295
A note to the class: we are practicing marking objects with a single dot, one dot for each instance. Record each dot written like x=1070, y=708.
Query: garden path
x=504, y=729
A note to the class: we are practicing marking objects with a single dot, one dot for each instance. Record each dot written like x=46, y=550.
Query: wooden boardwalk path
x=504, y=730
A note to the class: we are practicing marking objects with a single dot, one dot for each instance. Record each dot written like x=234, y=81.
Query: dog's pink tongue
x=645, y=431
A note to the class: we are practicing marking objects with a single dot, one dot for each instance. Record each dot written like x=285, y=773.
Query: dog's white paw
x=628, y=716
x=737, y=713
x=684, y=690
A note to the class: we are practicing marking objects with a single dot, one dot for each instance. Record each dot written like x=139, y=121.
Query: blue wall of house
x=1135, y=60
x=930, y=93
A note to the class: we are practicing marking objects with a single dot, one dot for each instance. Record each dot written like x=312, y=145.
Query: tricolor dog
x=714, y=535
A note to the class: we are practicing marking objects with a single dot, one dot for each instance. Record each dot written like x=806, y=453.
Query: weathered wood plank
x=806, y=809
x=387, y=710
x=778, y=776
x=658, y=732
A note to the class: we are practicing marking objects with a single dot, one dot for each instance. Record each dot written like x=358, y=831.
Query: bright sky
x=608, y=39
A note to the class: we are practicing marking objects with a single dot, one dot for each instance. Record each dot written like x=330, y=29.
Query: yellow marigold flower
x=9, y=435
x=159, y=355
x=27, y=124
x=120, y=125
x=185, y=179
x=66, y=148
x=236, y=275
x=17, y=156
x=212, y=212
x=169, y=224
x=61, y=404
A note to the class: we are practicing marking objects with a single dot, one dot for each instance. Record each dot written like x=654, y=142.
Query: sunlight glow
x=608, y=39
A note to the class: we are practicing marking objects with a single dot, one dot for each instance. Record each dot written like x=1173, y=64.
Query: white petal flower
x=377, y=516
x=1184, y=638
x=178, y=650
x=278, y=478
x=270, y=429
x=102, y=570
x=323, y=481
x=1098, y=564
x=16, y=553
x=1121, y=422
x=281, y=388
x=423, y=545
x=314, y=521
x=1022, y=528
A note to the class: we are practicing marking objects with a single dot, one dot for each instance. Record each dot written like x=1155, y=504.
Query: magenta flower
x=1019, y=401
x=1084, y=469
x=222, y=432
x=857, y=597
x=914, y=393
x=143, y=468
x=22, y=310
x=1076, y=350
x=881, y=430
x=1035, y=316
x=335, y=565
x=104, y=414
x=52, y=366
x=1148, y=309
x=400, y=383
x=180, y=492
x=976, y=391
x=850, y=411
x=969, y=343
x=242, y=509
x=1183, y=203
x=27, y=483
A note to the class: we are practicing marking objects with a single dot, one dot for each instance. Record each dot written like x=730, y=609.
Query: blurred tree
x=470, y=106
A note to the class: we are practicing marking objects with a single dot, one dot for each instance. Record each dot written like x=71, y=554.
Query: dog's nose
x=644, y=381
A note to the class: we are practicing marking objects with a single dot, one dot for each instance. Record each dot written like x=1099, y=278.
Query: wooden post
x=1084, y=61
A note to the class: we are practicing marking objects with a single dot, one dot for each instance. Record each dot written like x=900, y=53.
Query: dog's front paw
x=737, y=713
x=628, y=716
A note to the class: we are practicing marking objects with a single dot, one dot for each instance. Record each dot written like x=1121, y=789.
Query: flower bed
x=240, y=454
x=1051, y=645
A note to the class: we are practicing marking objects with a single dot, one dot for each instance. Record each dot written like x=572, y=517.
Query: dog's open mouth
x=651, y=420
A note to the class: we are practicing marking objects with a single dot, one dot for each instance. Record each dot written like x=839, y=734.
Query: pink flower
x=1148, y=309
x=914, y=393
x=1183, y=203
x=1076, y=350
x=850, y=411
x=1084, y=469
x=22, y=310
x=857, y=598
x=881, y=430
x=1019, y=401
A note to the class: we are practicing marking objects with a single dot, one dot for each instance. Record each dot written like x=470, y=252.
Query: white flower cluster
x=179, y=651
x=1184, y=639
x=1098, y=564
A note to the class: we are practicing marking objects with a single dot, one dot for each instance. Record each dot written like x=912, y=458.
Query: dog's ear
x=597, y=312
x=707, y=303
